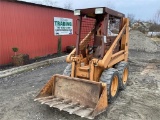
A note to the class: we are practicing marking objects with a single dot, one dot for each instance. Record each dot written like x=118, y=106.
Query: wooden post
x=59, y=44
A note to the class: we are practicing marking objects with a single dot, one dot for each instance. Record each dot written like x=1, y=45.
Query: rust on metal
x=69, y=95
x=65, y=106
x=102, y=104
x=43, y=98
x=47, y=89
x=72, y=89
x=84, y=112
x=50, y=100
x=78, y=35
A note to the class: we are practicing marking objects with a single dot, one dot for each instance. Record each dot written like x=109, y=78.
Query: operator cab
x=97, y=30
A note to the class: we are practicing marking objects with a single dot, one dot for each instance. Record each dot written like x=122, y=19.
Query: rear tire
x=111, y=78
x=123, y=70
x=67, y=70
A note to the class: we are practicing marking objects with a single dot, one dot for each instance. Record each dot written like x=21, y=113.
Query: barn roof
x=36, y=4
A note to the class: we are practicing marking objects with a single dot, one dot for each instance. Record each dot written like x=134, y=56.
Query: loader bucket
x=82, y=97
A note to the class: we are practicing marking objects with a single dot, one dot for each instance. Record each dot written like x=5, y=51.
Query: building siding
x=31, y=29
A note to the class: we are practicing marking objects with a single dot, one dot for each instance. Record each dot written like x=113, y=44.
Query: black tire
x=108, y=77
x=67, y=70
x=122, y=67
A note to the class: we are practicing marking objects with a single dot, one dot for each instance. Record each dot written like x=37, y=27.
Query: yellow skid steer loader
x=97, y=67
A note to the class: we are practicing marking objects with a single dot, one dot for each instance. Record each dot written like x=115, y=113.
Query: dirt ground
x=140, y=100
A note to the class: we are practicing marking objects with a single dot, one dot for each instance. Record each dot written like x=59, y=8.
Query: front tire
x=123, y=70
x=111, y=78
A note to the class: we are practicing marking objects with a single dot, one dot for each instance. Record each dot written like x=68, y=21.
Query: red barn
x=30, y=27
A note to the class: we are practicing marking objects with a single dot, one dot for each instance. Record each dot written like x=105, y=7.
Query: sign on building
x=63, y=26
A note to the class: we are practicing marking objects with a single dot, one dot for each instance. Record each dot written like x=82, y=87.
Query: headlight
x=98, y=10
x=77, y=12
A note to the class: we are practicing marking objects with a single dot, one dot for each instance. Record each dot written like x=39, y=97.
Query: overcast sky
x=142, y=9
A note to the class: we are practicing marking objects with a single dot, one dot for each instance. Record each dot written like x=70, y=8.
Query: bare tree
x=50, y=3
x=154, y=28
x=150, y=21
x=68, y=5
x=131, y=18
x=110, y=4
x=157, y=17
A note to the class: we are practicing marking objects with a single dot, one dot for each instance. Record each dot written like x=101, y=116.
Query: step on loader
x=97, y=68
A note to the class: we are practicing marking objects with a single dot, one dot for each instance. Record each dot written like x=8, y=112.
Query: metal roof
x=36, y=4
x=105, y=10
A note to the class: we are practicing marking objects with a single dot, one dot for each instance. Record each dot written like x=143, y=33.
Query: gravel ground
x=138, y=41
x=140, y=100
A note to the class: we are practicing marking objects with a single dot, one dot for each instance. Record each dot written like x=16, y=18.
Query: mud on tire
x=111, y=78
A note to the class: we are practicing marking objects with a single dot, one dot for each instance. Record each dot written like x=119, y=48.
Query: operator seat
x=97, y=46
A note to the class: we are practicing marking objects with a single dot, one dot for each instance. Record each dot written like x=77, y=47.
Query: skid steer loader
x=97, y=67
